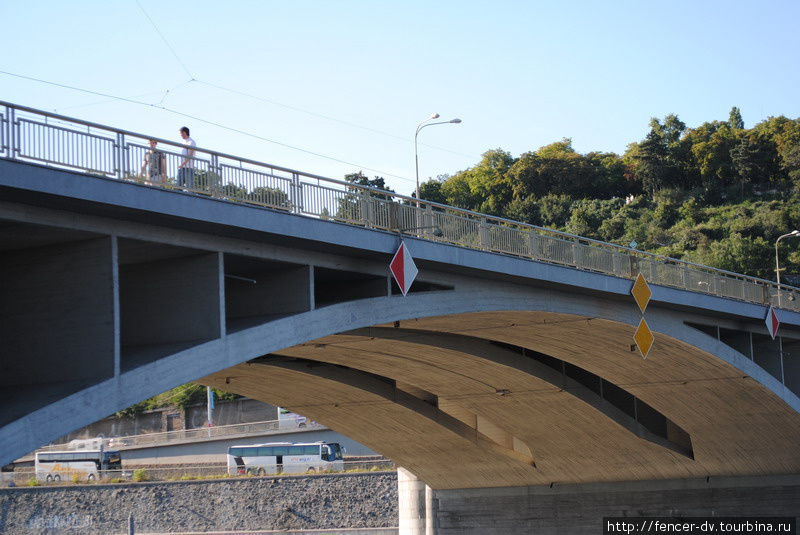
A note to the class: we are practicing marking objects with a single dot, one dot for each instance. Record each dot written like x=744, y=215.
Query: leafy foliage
x=349, y=206
x=182, y=397
x=717, y=194
x=140, y=474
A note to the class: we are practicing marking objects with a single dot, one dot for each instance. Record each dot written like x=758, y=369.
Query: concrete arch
x=502, y=315
x=568, y=439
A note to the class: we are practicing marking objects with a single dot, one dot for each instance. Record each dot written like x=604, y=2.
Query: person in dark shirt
x=155, y=163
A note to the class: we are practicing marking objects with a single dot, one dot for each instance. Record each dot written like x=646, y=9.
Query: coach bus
x=284, y=457
x=87, y=465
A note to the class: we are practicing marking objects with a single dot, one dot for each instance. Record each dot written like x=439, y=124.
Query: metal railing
x=269, y=427
x=36, y=136
x=165, y=472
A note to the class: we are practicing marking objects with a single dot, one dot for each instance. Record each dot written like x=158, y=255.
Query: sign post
x=403, y=268
x=772, y=322
x=643, y=337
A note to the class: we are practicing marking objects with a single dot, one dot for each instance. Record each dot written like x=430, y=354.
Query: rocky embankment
x=264, y=503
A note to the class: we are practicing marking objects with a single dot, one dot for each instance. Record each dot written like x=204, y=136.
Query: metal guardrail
x=31, y=135
x=21, y=476
x=269, y=427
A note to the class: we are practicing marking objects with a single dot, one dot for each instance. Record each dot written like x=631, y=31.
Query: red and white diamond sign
x=772, y=322
x=403, y=268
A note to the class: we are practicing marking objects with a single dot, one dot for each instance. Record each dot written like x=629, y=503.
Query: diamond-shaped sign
x=403, y=268
x=641, y=292
x=644, y=338
x=772, y=322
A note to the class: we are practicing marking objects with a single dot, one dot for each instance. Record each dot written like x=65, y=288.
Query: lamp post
x=791, y=234
x=420, y=126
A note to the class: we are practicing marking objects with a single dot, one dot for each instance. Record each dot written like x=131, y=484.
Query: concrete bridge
x=507, y=380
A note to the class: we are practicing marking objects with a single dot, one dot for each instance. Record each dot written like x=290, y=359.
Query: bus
x=284, y=457
x=87, y=465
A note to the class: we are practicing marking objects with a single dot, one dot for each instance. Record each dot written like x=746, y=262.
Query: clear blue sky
x=351, y=80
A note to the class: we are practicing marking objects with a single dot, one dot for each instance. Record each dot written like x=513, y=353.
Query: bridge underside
x=523, y=398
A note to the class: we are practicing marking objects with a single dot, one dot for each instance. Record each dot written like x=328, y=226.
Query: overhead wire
x=206, y=121
x=104, y=101
x=326, y=117
x=168, y=91
x=162, y=93
x=191, y=76
x=275, y=102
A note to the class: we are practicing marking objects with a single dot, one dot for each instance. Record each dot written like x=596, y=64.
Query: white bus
x=284, y=457
x=87, y=465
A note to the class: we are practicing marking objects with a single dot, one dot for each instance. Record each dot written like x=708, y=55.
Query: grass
x=140, y=474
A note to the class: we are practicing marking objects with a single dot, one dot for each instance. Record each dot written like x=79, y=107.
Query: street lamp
x=791, y=234
x=420, y=126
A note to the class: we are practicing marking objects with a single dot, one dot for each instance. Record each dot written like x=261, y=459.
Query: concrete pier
x=412, y=503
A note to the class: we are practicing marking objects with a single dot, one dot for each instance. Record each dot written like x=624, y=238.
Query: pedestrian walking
x=186, y=167
x=154, y=166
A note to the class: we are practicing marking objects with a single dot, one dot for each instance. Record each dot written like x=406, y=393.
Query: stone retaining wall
x=265, y=503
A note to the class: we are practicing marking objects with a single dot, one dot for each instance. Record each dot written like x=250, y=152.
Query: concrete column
x=431, y=511
x=415, y=505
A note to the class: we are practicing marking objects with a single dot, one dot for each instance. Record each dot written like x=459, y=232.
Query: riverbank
x=320, y=502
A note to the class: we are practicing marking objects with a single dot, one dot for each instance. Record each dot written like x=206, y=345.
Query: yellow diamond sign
x=641, y=292
x=643, y=338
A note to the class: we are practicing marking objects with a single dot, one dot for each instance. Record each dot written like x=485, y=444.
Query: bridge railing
x=269, y=427
x=36, y=136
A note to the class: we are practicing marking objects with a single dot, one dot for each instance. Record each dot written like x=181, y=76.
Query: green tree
x=754, y=159
x=711, y=145
x=735, y=119
x=349, y=207
x=662, y=159
x=457, y=192
x=555, y=210
x=270, y=196
x=234, y=191
x=488, y=183
x=360, y=179
x=525, y=210
x=181, y=396
x=741, y=254
x=432, y=191
x=653, y=166
x=690, y=211
x=588, y=216
x=790, y=164
x=558, y=169
x=206, y=181
x=565, y=171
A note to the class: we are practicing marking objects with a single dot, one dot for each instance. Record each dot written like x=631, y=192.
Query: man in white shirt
x=186, y=167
